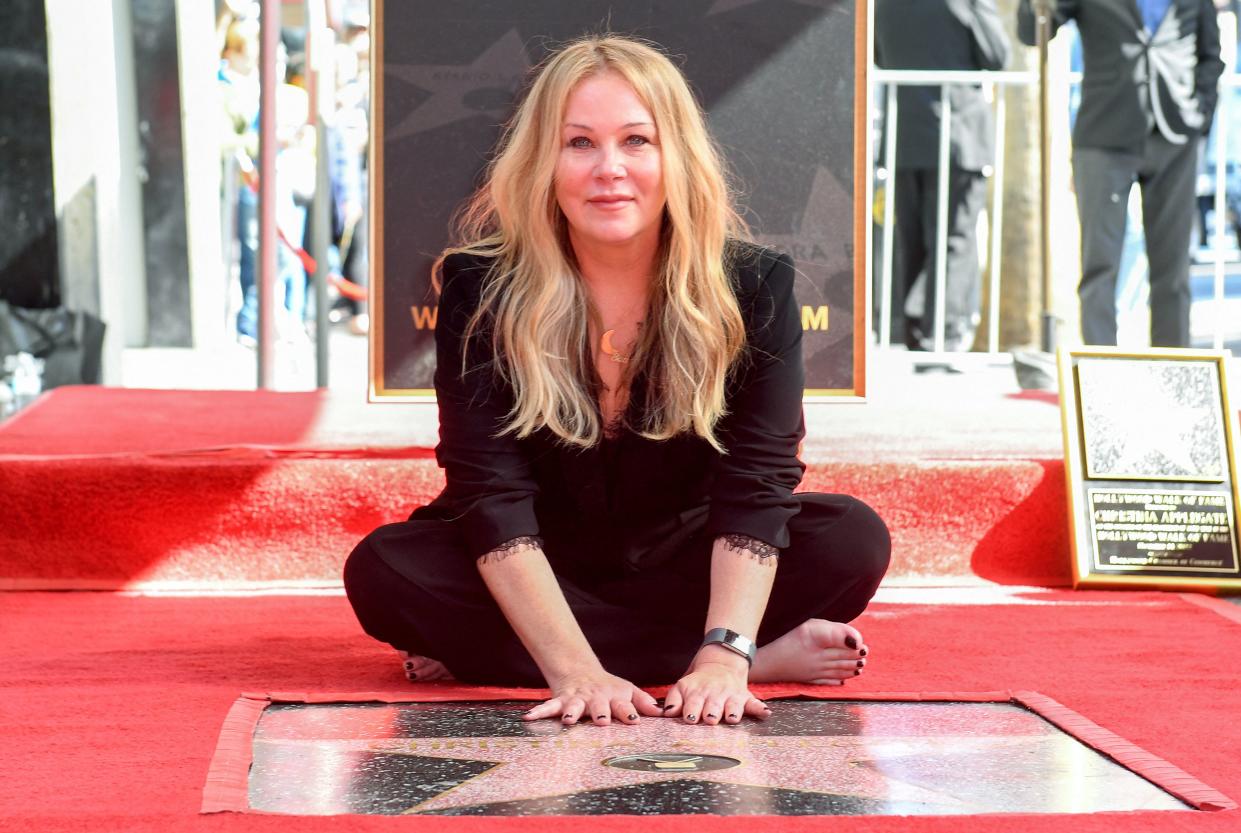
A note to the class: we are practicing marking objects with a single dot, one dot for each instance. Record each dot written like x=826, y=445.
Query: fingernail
x=732, y=717
x=851, y=642
x=858, y=671
x=862, y=652
x=633, y=717
x=666, y=708
x=861, y=664
x=602, y=717
x=710, y=715
x=690, y=718
x=412, y=675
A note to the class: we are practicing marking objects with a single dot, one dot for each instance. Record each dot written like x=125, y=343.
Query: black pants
x=915, y=224
x=1103, y=179
x=412, y=585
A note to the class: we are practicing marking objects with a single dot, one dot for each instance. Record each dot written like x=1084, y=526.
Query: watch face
x=733, y=641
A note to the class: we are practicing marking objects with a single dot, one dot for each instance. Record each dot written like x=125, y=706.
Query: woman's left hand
x=714, y=690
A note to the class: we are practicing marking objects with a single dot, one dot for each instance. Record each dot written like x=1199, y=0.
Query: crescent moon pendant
x=606, y=344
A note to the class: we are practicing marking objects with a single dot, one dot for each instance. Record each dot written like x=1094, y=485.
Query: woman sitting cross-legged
x=620, y=399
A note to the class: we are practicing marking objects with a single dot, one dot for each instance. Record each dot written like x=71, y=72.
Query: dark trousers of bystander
x=1103, y=179
x=916, y=223
x=412, y=585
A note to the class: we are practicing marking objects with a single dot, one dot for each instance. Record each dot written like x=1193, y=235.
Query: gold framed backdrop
x=444, y=77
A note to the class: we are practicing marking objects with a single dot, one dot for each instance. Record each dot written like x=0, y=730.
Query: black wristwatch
x=733, y=641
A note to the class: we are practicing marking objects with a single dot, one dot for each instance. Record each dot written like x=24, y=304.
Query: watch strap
x=733, y=641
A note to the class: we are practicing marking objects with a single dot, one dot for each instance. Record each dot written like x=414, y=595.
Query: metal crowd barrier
x=998, y=83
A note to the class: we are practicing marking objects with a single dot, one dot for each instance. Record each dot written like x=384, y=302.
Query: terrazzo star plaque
x=810, y=758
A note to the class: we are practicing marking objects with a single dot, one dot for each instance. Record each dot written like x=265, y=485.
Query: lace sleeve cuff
x=522, y=543
x=757, y=550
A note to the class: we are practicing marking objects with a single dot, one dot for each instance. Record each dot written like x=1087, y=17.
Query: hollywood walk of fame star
x=809, y=759
x=497, y=71
x=532, y=768
x=828, y=207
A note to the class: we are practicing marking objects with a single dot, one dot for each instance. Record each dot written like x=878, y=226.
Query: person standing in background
x=1149, y=88
x=939, y=35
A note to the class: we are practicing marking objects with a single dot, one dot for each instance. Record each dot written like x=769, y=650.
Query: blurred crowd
x=238, y=34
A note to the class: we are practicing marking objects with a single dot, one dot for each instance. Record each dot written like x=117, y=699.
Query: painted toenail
x=850, y=642
x=861, y=663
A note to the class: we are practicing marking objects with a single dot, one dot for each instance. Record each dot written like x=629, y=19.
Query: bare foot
x=421, y=669
x=816, y=651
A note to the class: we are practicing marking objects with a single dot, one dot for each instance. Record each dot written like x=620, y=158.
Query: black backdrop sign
x=780, y=80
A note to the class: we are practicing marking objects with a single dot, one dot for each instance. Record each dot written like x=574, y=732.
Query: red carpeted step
x=106, y=488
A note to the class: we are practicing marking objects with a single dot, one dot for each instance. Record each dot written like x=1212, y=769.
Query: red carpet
x=88, y=420
x=107, y=488
x=110, y=706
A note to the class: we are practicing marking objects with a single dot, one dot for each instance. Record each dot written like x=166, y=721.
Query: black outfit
x=939, y=35
x=1147, y=97
x=628, y=525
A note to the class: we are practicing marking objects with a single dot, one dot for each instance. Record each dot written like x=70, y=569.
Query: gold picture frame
x=1150, y=468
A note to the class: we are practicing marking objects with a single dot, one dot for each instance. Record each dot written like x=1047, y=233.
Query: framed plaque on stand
x=1151, y=464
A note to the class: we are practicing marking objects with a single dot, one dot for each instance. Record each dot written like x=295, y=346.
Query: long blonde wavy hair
x=534, y=298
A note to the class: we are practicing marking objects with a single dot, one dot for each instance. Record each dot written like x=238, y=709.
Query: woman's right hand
x=597, y=696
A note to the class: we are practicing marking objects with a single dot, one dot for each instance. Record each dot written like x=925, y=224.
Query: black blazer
x=1134, y=82
x=941, y=34
x=661, y=493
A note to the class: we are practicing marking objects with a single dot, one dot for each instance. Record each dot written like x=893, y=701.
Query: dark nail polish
x=861, y=664
x=690, y=718
x=732, y=717
x=667, y=707
x=859, y=671
x=602, y=717
x=633, y=717
x=851, y=642
x=412, y=675
x=862, y=652
x=710, y=715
